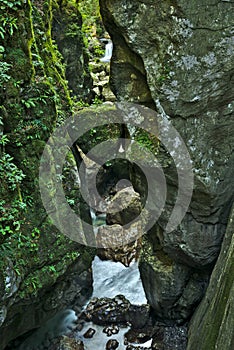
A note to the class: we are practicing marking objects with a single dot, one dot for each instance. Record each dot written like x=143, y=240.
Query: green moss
x=34, y=99
x=47, y=275
x=157, y=259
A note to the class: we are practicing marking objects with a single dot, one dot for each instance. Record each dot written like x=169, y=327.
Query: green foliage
x=90, y=14
x=8, y=21
x=147, y=140
x=11, y=177
x=97, y=101
x=10, y=174
x=47, y=275
x=92, y=26
x=4, y=68
x=8, y=4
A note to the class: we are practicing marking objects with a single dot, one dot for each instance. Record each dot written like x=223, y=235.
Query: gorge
x=168, y=101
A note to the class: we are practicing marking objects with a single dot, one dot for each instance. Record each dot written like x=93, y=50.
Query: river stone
x=105, y=311
x=134, y=347
x=90, y=333
x=112, y=344
x=126, y=205
x=116, y=311
x=137, y=336
x=110, y=330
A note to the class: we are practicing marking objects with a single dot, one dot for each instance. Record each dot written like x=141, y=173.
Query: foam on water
x=113, y=278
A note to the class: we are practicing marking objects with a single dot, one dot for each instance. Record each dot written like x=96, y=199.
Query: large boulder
x=117, y=310
x=124, y=207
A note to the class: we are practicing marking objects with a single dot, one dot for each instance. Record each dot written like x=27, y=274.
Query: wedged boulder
x=124, y=207
x=120, y=244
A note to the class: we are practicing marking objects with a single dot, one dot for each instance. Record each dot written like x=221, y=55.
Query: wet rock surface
x=106, y=310
x=117, y=310
x=152, y=335
x=112, y=344
x=138, y=335
x=89, y=333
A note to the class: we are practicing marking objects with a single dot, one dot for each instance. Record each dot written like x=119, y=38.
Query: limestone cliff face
x=177, y=57
x=38, y=266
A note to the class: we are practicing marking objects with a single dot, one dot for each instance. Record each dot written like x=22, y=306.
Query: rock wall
x=41, y=271
x=213, y=319
x=177, y=57
x=66, y=31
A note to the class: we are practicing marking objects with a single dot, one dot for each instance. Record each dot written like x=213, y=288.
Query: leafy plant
x=4, y=68
x=147, y=140
x=92, y=26
x=10, y=174
x=8, y=21
x=11, y=177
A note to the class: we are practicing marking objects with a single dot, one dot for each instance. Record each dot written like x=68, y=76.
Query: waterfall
x=113, y=278
x=108, y=51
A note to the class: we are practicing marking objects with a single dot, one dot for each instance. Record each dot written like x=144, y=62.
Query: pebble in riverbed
x=112, y=329
x=90, y=333
x=112, y=344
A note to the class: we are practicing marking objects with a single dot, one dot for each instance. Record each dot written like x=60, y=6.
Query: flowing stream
x=109, y=279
